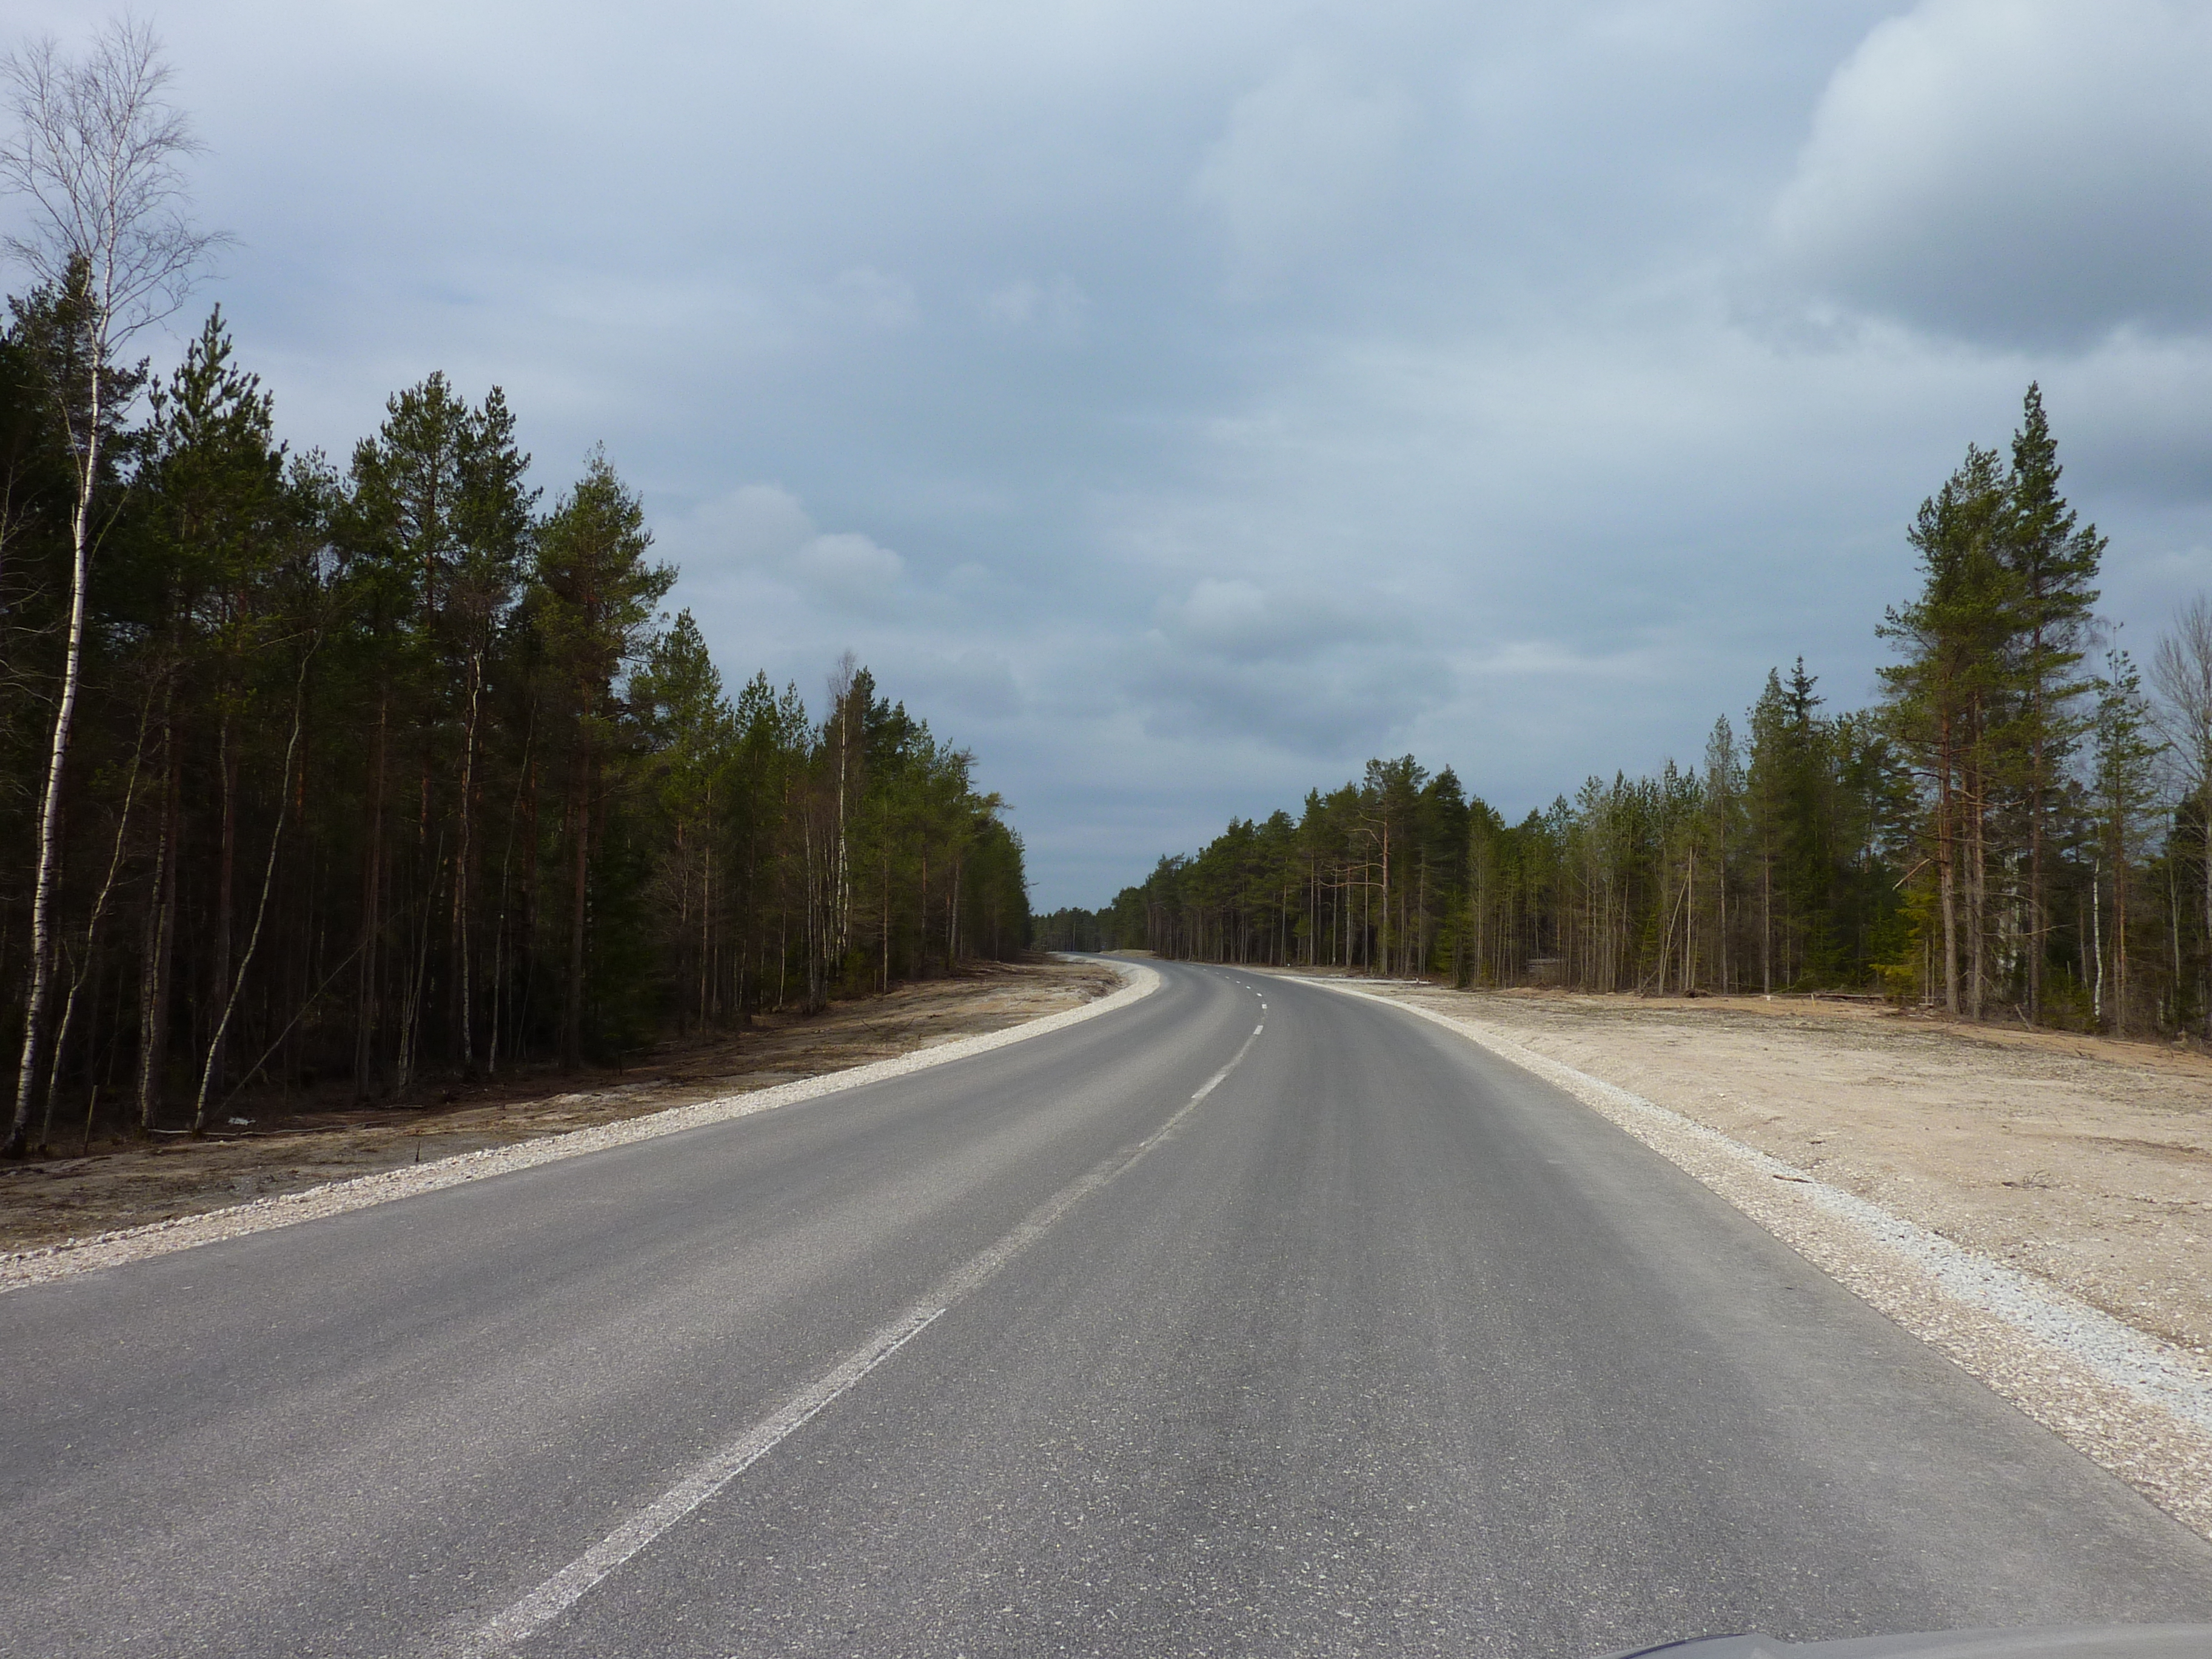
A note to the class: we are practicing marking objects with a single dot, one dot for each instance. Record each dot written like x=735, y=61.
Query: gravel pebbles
x=111, y=1250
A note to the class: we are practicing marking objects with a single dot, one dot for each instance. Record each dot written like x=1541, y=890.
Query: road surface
x=1376, y=1346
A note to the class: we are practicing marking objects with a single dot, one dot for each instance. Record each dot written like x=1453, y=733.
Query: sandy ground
x=2083, y=1162
x=127, y=1184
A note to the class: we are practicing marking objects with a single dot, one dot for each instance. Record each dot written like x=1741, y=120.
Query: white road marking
x=530, y=1615
x=565, y=1588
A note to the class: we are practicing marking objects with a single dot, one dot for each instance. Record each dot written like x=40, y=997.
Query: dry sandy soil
x=128, y=1183
x=2082, y=1160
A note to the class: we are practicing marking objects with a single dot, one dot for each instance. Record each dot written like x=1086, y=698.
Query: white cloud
x=753, y=525
x=2015, y=171
x=762, y=531
x=1539, y=659
x=1238, y=621
x=874, y=299
x=1054, y=310
x=1294, y=667
x=1349, y=704
x=850, y=569
x=1304, y=160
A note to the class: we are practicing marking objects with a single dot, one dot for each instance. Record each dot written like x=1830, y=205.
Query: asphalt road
x=1380, y=1346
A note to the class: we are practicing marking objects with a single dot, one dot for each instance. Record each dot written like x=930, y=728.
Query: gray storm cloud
x=1314, y=672
x=1178, y=404
x=2018, y=172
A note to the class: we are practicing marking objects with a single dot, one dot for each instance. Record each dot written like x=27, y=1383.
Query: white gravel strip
x=2141, y=1406
x=78, y=1255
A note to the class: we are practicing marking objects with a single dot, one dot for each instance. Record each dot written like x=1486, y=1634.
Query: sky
x=1177, y=404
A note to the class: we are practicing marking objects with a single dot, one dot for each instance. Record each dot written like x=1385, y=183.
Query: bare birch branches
x=95, y=152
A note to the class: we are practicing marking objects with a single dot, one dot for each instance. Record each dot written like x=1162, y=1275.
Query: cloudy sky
x=1179, y=403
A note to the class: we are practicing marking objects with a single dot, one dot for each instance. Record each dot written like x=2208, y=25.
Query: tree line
x=384, y=771
x=2016, y=829
x=393, y=771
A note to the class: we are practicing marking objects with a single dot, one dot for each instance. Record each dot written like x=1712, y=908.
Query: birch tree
x=2122, y=787
x=2181, y=674
x=96, y=154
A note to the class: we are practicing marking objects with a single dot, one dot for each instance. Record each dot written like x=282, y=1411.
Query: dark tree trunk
x=161, y=938
x=225, y=894
x=366, y=1005
x=579, y=837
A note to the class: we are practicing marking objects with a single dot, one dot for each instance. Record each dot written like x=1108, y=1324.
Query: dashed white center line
x=533, y=1611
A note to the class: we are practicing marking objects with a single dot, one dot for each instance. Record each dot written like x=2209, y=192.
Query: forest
x=361, y=778
x=355, y=778
x=2014, y=831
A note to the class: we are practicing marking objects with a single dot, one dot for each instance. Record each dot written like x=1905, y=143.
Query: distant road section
x=1247, y=1318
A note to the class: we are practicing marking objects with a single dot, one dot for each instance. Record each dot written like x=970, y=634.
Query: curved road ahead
x=1378, y=1346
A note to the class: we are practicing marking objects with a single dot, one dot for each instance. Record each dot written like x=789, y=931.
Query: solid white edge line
x=67, y=1257
x=532, y=1612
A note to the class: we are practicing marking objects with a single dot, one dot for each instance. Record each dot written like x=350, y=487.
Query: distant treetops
x=2013, y=831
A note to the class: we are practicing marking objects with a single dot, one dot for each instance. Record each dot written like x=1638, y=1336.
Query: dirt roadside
x=2083, y=1162
x=130, y=1183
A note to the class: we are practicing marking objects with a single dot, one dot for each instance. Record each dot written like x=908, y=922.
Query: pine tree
x=227, y=534
x=1945, y=700
x=678, y=694
x=2051, y=561
x=592, y=603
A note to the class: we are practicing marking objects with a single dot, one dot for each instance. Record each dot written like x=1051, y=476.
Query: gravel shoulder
x=298, y=1146
x=2032, y=1205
